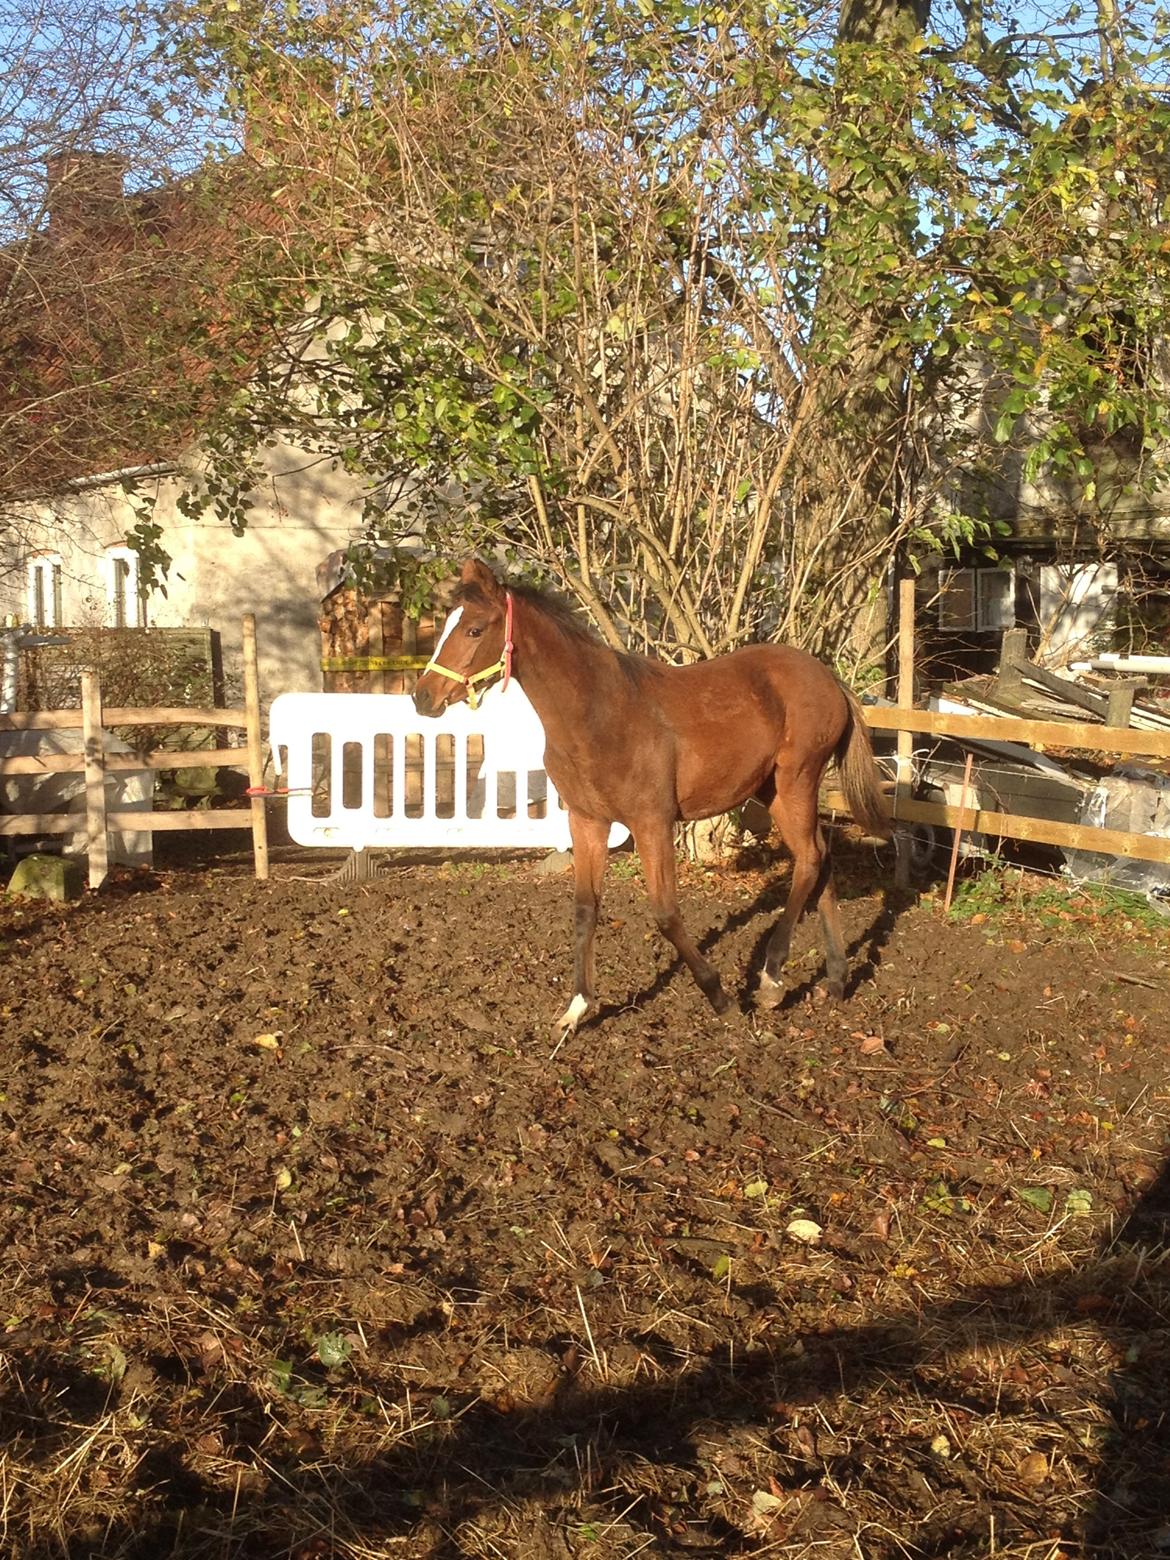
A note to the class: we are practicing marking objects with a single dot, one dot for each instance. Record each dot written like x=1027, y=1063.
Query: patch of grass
x=476, y=871
x=625, y=866
x=1002, y=895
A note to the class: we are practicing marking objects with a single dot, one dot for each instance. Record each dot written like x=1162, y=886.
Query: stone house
x=64, y=557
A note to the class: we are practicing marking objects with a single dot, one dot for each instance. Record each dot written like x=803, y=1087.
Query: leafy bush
x=140, y=668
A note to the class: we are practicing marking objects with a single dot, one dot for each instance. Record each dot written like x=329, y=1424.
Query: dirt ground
x=311, y=1246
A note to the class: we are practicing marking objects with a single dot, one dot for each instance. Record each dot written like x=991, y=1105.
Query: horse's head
x=476, y=645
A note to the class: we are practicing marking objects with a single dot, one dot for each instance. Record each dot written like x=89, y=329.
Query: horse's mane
x=567, y=617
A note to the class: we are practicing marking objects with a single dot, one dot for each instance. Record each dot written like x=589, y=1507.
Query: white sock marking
x=573, y=1014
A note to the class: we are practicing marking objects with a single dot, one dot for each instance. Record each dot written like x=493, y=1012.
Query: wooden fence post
x=905, y=776
x=1013, y=658
x=255, y=747
x=1120, y=708
x=93, y=745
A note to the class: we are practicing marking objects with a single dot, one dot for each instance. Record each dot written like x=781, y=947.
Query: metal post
x=954, y=862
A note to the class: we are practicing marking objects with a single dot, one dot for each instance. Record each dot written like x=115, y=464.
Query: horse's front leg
x=590, y=855
x=655, y=844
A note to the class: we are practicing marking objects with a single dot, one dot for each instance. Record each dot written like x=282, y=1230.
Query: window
x=981, y=601
x=127, y=606
x=44, y=591
x=995, y=599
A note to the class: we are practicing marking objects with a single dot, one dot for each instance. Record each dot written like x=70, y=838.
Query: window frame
x=44, y=598
x=125, y=597
x=984, y=606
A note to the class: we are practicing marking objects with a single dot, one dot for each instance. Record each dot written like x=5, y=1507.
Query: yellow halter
x=504, y=664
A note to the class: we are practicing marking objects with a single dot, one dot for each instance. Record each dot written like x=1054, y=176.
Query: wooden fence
x=1076, y=735
x=95, y=763
x=1029, y=733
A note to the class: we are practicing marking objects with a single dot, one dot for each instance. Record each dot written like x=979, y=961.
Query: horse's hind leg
x=590, y=855
x=836, y=964
x=794, y=811
x=655, y=844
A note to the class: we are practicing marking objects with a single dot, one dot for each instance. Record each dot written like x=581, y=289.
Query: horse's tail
x=859, y=773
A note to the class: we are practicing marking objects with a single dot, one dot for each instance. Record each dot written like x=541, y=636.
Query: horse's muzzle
x=424, y=704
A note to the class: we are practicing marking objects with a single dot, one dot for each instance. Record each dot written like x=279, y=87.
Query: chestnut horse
x=650, y=744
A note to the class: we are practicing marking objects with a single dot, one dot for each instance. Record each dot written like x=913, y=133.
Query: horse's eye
x=474, y=633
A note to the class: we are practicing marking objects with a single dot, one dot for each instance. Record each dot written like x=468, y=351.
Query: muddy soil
x=313, y=1242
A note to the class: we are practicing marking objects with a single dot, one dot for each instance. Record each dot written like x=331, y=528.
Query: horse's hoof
x=836, y=990
x=719, y=999
x=770, y=993
x=566, y=1025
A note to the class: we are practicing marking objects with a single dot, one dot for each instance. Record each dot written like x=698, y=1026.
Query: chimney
x=83, y=187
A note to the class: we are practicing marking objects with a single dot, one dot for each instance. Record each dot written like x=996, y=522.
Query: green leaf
x=1038, y=1197
x=280, y=1374
x=939, y=1198
x=333, y=1348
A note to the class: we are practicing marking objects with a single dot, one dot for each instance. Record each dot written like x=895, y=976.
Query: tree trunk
x=847, y=501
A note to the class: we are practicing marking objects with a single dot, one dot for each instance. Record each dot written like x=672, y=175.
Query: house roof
x=121, y=325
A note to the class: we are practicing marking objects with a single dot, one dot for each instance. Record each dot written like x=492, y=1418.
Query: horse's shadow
x=486, y=1462
x=769, y=903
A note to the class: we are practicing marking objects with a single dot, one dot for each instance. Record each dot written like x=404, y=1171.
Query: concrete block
x=46, y=877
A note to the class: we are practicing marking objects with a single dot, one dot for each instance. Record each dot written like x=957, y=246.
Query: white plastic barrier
x=487, y=814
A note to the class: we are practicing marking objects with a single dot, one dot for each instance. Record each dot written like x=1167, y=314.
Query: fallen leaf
x=940, y=1446
x=267, y=1042
x=807, y=1231
x=1038, y=1197
x=1033, y=1469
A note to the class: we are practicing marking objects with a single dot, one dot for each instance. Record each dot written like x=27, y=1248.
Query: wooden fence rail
x=95, y=763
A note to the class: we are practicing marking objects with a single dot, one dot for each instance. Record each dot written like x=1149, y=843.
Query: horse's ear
x=478, y=574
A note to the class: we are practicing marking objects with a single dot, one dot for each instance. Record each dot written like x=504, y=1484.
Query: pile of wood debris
x=1022, y=688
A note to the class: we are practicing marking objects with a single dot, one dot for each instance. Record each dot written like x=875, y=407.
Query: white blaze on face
x=448, y=628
